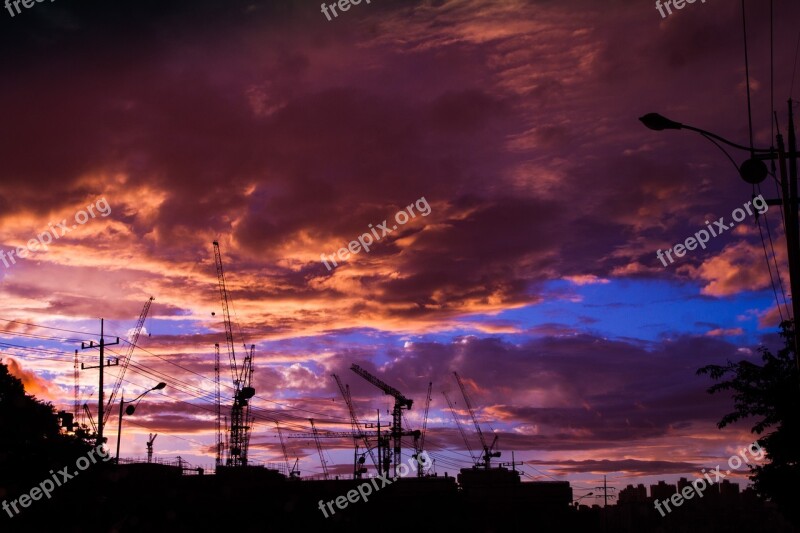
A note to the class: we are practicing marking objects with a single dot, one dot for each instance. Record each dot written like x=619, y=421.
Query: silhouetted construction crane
x=291, y=471
x=358, y=469
x=419, y=444
x=319, y=448
x=382, y=437
x=126, y=360
x=241, y=420
x=217, y=408
x=488, y=454
x=400, y=403
x=150, y=442
x=460, y=429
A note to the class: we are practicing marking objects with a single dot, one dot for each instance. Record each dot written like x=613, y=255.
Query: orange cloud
x=34, y=385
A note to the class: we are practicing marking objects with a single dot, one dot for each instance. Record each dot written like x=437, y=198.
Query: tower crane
x=242, y=377
x=150, y=447
x=89, y=417
x=488, y=452
x=460, y=429
x=400, y=403
x=127, y=358
x=319, y=449
x=378, y=435
x=419, y=444
x=345, y=391
x=292, y=471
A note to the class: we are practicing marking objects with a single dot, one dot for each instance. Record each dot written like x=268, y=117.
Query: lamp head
x=159, y=386
x=753, y=171
x=657, y=122
x=247, y=393
x=130, y=410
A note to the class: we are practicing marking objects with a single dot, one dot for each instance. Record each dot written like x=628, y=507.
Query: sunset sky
x=284, y=136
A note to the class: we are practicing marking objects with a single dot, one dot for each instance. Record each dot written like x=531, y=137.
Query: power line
x=284, y=405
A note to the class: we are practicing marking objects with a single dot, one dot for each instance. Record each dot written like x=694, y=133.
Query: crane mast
x=217, y=407
x=420, y=443
x=487, y=450
x=244, y=397
x=241, y=420
x=150, y=447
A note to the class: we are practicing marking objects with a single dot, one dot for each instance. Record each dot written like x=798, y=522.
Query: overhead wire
x=747, y=76
x=794, y=70
x=177, y=365
x=226, y=385
x=752, y=154
x=201, y=396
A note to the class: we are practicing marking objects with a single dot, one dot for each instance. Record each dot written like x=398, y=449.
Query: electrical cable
x=747, y=76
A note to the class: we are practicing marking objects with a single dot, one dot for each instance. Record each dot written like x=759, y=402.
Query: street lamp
x=582, y=497
x=754, y=171
x=130, y=410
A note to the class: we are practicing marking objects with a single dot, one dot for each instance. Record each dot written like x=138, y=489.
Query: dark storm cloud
x=589, y=392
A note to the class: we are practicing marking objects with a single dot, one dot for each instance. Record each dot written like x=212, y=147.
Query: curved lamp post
x=582, y=497
x=754, y=171
x=130, y=410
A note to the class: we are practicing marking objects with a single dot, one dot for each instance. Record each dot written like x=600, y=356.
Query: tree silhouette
x=771, y=394
x=31, y=441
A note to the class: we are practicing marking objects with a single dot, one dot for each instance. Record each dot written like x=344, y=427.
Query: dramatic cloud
x=283, y=136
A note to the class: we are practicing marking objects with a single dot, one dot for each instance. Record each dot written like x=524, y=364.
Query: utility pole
x=103, y=363
x=791, y=212
x=789, y=203
x=76, y=388
x=119, y=422
x=605, y=488
x=513, y=464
